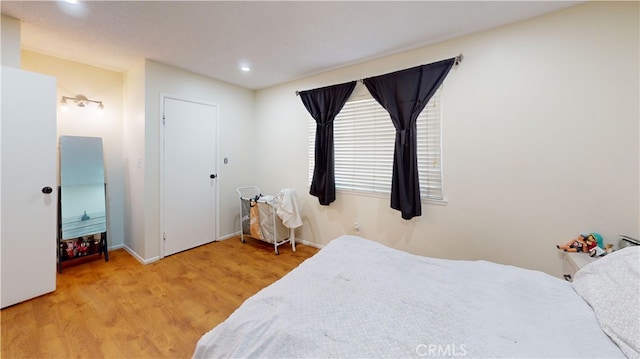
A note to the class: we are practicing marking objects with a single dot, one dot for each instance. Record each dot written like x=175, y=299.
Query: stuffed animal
x=69, y=249
x=83, y=248
x=608, y=248
x=598, y=251
x=582, y=243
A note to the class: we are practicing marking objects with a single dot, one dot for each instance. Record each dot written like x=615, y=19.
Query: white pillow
x=611, y=286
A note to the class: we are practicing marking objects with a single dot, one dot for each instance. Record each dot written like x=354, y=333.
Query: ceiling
x=280, y=40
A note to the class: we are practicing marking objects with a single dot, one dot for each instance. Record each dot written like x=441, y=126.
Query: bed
x=359, y=298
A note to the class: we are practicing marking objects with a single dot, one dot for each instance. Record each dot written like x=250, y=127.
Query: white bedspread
x=358, y=298
x=611, y=286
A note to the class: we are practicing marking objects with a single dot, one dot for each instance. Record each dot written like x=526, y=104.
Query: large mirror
x=82, y=187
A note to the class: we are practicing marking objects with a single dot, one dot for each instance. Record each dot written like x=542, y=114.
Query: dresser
x=573, y=262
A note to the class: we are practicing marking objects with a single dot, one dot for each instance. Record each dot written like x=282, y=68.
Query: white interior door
x=189, y=174
x=28, y=237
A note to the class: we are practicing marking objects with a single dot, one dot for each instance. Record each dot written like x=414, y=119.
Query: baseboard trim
x=298, y=240
x=310, y=244
x=228, y=236
x=117, y=246
x=223, y=238
x=139, y=258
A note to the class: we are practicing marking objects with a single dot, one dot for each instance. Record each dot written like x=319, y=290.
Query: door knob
x=47, y=190
x=212, y=176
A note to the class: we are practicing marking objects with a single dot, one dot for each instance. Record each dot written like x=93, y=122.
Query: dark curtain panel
x=324, y=104
x=404, y=94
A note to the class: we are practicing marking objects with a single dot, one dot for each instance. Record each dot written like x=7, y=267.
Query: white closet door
x=189, y=175
x=28, y=216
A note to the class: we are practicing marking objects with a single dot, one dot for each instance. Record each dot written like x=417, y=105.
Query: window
x=364, y=142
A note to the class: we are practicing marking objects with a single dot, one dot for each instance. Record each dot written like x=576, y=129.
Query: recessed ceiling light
x=245, y=68
x=74, y=8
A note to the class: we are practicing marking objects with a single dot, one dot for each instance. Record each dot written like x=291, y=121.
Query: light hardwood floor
x=123, y=309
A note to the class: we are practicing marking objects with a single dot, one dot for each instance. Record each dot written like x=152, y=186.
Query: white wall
x=541, y=142
x=98, y=84
x=133, y=160
x=235, y=106
x=10, y=40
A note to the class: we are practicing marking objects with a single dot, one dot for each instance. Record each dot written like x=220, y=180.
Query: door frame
x=163, y=97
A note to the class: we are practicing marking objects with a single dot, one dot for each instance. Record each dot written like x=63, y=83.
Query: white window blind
x=364, y=139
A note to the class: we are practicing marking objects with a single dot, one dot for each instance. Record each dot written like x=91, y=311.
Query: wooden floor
x=123, y=309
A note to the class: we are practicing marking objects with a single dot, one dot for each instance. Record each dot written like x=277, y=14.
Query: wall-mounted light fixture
x=80, y=101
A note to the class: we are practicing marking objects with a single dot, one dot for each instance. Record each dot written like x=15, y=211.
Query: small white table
x=573, y=261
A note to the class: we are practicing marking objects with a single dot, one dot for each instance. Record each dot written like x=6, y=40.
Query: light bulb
x=63, y=104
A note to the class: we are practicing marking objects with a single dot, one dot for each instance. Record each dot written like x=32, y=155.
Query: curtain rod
x=457, y=61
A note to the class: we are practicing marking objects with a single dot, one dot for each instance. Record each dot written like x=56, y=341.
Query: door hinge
x=164, y=236
x=164, y=120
